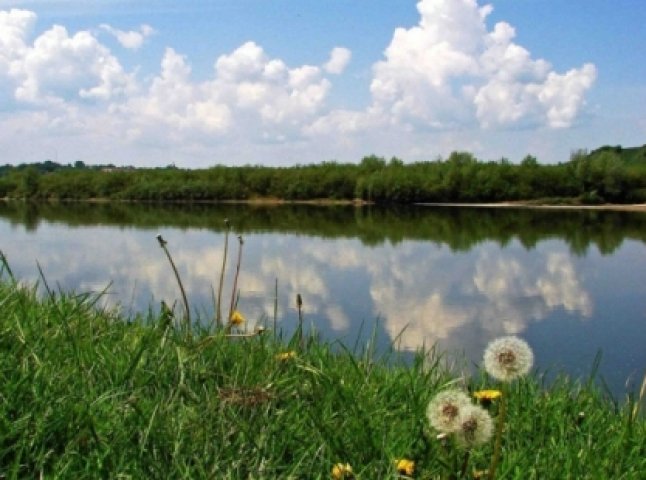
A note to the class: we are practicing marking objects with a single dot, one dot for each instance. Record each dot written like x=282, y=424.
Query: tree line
x=608, y=174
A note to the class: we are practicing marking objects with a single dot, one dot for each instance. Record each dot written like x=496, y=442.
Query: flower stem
x=235, y=279
x=275, y=305
x=218, y=316
x=299, y=305
x=502, y=413
x=465, y=464
x=162, y=244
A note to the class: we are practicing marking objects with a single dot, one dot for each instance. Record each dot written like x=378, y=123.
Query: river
x=572, y=283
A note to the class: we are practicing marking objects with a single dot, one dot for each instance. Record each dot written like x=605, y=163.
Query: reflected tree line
x=609, y=174
x=459, y=228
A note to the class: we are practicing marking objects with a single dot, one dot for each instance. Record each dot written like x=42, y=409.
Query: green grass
x=85, y=393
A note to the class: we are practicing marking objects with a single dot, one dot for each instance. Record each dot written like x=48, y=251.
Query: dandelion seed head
x=508, y=358
x=443, y=411
x=475, y=426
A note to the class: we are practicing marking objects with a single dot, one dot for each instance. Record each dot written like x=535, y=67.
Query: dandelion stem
x=162, y=244
x=235, y=279
x=275, y=306
x=299, y=305
x=465, y=463
x=218, y=316
x=502, y=413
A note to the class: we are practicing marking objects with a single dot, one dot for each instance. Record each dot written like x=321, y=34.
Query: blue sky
x=281, y=82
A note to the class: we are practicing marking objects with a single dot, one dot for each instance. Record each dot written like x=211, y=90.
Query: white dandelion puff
x=443, y=411
x=475, y=427
x=508, y=358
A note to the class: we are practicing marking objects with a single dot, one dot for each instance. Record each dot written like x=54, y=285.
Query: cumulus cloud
x=57, y=67
x=15, y=26
x=268, y=87
x=249, y=94
x=449, y=69
x=173, y=100
x=132, y=39
x=248, y=90
x=339, y=59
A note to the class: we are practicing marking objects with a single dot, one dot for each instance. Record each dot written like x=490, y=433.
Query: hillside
x=630, y=156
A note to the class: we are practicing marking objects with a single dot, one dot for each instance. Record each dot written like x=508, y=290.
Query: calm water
x=572, y=283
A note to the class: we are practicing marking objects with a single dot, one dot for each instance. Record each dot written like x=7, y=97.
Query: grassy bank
x=88, y=394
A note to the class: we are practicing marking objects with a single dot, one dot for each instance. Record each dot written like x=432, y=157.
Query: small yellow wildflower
x=405, y=466
x=237, y=318
x=342, y=471
x=286, y=355
x=487, y=395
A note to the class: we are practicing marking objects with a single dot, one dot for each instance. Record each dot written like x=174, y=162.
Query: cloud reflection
x=421, y=293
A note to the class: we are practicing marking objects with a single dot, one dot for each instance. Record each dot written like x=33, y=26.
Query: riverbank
x=634, y=207
x=272, y=201
x=88, y=393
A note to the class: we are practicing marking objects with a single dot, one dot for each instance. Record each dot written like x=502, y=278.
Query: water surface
x=571, y=283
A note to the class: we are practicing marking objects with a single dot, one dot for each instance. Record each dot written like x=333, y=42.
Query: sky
x=283, y=82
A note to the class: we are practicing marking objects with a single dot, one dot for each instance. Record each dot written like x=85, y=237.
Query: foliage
x=605, y=175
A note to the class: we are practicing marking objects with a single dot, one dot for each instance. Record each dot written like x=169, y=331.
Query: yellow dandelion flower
x=284, y=356
x=405, y=466
x=237, y=318
x=342, y=471
x=485, y=397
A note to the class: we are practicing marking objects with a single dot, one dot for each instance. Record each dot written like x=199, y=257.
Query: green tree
x=30, y=182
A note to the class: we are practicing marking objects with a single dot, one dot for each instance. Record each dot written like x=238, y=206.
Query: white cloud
x=57, y=67
x=174, y=101
x=339, y=59
x=274, y=92
x=132, y=39
x=250, y=93
x=15, y=26
x=450, y=70
x=563, y=95
x=245, y=63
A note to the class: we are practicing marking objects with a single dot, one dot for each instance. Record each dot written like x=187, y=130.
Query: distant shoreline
x=633, y=207
x=528, y=204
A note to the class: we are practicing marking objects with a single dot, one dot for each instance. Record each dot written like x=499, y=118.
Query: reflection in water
x=455, y=277
x=461, y=229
